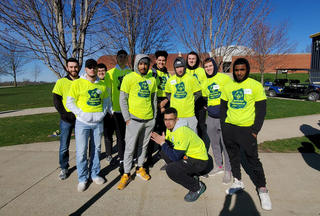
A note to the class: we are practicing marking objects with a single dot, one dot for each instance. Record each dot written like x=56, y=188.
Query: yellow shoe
x=124, y=181
x=142, y=174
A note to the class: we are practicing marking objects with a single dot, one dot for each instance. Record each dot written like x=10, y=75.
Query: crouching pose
x=185, y=154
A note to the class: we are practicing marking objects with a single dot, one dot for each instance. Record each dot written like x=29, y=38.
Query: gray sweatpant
x=191, y=123
x=216, y=142
x=136, y=133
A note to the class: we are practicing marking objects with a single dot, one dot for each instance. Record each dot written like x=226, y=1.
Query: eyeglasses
x=170, y=119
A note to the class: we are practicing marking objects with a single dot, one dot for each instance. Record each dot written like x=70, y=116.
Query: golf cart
x=284, y=87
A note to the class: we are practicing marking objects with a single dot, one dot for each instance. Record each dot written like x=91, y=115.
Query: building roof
x=315, y=35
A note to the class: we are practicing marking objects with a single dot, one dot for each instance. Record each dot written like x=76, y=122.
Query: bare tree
x=52, y=30
x=139, y=25
x=12, y=61
x=267, y=42
x=216, y=26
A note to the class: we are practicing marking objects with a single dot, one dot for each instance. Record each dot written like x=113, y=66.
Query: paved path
x=29, y=185
x=33, y=111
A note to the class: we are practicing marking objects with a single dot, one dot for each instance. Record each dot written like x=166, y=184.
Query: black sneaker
x=193, y=196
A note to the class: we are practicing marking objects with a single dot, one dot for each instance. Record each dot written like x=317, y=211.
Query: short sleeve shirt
x=185, y=139
x=241, y=98
x=115, y=75
x=139, y=88
x=62, y=88
x=212, y=87
x=88, y=96
x=182, y=91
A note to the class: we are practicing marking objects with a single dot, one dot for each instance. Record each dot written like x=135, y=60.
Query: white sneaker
x=235, y=187
x=265, y=199
x=82, y=186
x=98, y=180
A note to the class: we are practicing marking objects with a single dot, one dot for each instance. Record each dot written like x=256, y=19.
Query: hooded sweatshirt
x=137, y=94
x=89, y=101
x=211, y=88
x=185, y=142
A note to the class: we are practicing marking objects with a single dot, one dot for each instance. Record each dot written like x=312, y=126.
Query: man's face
x=91, y=72
x=73, y=69
x=101, y=73
x=161, y=62
x=143, y=67
x=170, y=120
x=240, y=71
x=122, y=59
x=180, y=71
x=209, y=68
x=192, y=60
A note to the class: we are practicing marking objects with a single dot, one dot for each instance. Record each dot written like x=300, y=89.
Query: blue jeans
x=83, y=132
x=65, y=135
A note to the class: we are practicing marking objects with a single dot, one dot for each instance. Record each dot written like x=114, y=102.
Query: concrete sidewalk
x=32, y=111
x=30, y=186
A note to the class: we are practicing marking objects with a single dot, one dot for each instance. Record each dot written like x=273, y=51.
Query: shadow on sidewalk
x=96, y=197
x=244, y=205
x=307, y=149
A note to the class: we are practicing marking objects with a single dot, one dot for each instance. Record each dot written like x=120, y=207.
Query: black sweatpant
x=184, y=170
x=120, y=128
x=200, y=113
x=235, y=137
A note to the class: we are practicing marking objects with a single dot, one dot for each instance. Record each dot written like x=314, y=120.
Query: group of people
x=180, y=113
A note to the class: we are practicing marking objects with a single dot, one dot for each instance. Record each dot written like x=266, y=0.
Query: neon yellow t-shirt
x=182, y=91
x=185, y=139
x=88, y=96
x=139, y=88
x=161, y=80
x=62, y=88
x=211, y=88
x=241, y=99
x=115, y=75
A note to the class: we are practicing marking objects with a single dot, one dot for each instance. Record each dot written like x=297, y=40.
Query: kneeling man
x=184, y=152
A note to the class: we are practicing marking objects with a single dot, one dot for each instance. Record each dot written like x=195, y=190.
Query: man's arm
x=260, y=111
x=66, y=116
x=223, y=110
x=172, y=153
x=123, y=100
x=57, y=101
x=154, y=104
x=197, y=94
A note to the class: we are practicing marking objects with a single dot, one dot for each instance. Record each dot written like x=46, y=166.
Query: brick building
x=273, y=62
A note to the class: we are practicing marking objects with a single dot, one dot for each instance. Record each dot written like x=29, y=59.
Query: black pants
x=235, y=137
x=184, y=170
x=108, y=130
x=200, y=114
x=120, y=128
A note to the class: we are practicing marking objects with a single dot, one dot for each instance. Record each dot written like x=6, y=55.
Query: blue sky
x=303, y=20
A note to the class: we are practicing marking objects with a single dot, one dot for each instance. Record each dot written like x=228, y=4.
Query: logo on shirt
x=238, y=101
x=181, y=92
x=144, y=89
x=163, y=81
x=95, y=99
x=214, y=91
x=120, y=78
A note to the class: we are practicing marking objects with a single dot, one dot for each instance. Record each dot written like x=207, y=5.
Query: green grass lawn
x=306, y=144
x=282, y=108
x=303, y=77
x=23, y=97
x=28, y=129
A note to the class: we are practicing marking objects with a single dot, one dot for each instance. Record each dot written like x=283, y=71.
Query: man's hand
x=254, y=135
x=158, y=139
x=127, y=122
